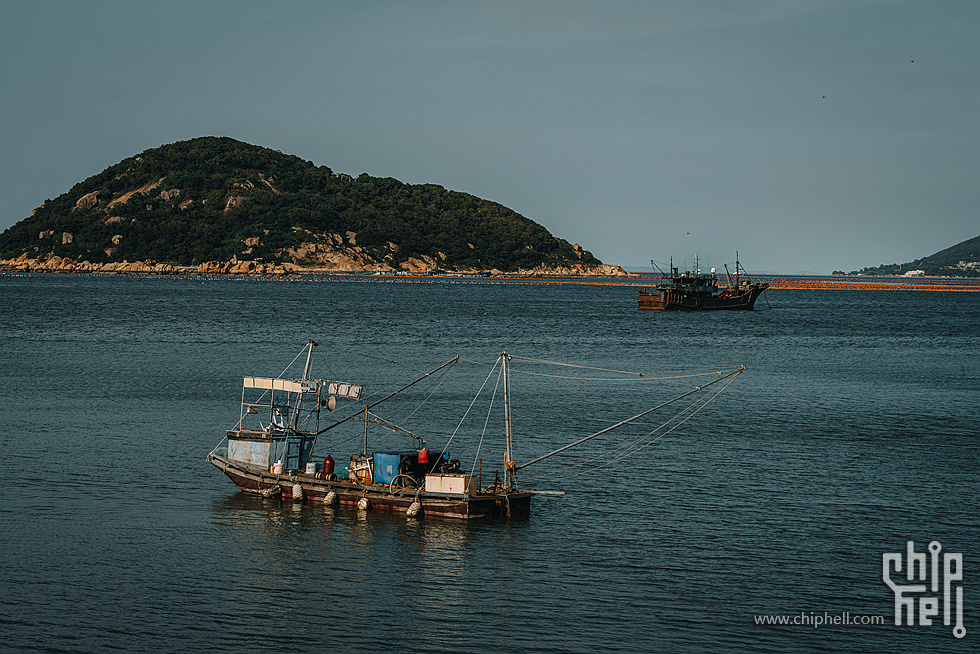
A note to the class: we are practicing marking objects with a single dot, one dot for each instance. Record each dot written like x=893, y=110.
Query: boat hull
x=514, y=504
x=671, y=300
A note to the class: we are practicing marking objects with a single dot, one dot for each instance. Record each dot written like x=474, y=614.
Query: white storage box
x=456, y=484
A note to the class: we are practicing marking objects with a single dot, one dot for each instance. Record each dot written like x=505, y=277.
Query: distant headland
x=960, y=260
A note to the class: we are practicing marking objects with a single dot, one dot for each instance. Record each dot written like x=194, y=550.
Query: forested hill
x=961, y=260
x=216, y=199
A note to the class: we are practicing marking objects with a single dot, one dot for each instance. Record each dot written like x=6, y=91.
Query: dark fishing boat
x=270, y=452
x=697, y=291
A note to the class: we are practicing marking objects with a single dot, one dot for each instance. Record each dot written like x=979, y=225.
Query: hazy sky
x=809, y=136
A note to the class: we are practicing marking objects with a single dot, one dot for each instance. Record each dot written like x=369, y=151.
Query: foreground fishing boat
x=696, y=291
x=270, y=452
x=277, y=458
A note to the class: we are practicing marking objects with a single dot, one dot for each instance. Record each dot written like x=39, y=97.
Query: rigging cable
x=392, y=427
x=625, y=446
x=690, y=410
x=429, y=396
x=293, y=361
x=680, y=374
x=362, y=354
x=628, y=420
x=456, y=431
x=392, y=394
x=486, y=421
x=572, y=365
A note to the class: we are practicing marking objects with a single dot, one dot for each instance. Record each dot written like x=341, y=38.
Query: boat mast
x=508, y=459
x=309, y=358
x=306, y=375
x=728, y=276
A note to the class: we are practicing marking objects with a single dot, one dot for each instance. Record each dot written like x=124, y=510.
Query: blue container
x=386, y=465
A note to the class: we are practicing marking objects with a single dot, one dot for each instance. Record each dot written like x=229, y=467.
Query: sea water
x=852, y=431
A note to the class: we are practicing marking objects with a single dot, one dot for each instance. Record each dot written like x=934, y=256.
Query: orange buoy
x=423, y=456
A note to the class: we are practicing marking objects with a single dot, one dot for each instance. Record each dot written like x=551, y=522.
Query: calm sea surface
x=852, y=431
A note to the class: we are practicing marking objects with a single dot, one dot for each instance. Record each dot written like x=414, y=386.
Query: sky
x=807, y=136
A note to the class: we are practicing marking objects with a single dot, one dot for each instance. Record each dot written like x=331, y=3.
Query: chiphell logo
x=918, y=566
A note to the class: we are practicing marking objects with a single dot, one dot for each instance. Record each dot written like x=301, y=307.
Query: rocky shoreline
x=53, y=263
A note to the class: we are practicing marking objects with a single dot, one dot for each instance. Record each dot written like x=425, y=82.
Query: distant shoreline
x=776, y=282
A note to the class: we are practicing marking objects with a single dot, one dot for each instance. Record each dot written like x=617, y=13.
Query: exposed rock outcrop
x=52, y=263
x=332, y=262
x=269, y=184
x=124, y=198
x=577, y=270
x=245, y=268
x=87, y=201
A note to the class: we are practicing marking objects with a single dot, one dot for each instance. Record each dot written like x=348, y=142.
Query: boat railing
x=256, y=433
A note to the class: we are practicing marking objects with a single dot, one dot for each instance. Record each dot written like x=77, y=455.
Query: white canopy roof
x=351, y=391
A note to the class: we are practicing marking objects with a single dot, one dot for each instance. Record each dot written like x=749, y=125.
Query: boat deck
x=382, y=497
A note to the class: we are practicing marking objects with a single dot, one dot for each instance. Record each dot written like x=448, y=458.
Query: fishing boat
x=270, y=451
x=698, y=291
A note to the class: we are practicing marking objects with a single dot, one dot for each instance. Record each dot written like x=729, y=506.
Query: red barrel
x=327, y=465
x=423, y=456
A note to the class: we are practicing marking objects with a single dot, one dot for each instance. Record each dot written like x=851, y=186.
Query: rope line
x=687, y=413
x=292, y=362
x=572, y=365
x=679, y=374
x=628, y=420
x=361, y=354
x=428, y=397
x=456, y=431
x=486, y=420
